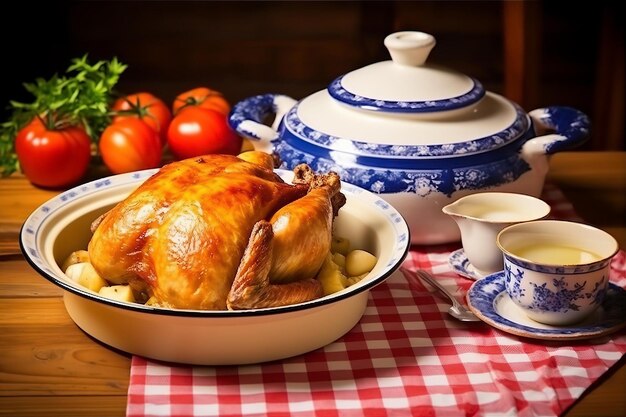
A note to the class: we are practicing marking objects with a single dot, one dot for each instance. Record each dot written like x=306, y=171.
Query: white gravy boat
x=481, y=216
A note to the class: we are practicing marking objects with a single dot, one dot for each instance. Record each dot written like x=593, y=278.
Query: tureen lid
x=407, y=83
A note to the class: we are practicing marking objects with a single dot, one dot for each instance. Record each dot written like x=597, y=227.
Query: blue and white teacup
x=556, y=271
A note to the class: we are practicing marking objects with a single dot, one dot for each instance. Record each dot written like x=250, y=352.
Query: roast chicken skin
x=289, y=248
x=219, y=232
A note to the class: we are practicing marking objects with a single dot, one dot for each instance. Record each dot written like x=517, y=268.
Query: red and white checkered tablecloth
x=406, y=357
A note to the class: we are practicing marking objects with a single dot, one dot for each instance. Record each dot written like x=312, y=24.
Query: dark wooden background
x=573, y=52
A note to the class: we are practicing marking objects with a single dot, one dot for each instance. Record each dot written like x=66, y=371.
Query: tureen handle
x=558, y=129
x=248, y=115
x=562, y=128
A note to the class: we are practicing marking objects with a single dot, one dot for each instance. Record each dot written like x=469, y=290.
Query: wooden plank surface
x=64, y=406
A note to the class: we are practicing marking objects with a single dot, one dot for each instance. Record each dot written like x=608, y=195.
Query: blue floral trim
x=521, y=124
x=419, y=180
x=338, y=92
x=571, y=124
x=484, y=294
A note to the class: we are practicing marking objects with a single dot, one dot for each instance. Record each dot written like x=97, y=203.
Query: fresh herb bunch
x=82, y=97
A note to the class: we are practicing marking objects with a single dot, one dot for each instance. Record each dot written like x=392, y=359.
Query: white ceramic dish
x=61, y=226
x=418, y=134
x=489, y=301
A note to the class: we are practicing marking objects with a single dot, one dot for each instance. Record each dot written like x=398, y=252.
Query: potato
x=359, y=262
x=354, y=280
x=330, y=277
x=339, y=245
x=75, y=258
x=84, y=274
x=118, y=292
x=339, y=260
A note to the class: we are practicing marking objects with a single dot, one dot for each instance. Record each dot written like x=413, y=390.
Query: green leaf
x=80, y=97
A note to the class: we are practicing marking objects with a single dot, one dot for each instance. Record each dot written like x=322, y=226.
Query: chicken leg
x=284, y=255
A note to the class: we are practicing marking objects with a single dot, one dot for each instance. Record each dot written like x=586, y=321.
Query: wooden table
x=48, y=366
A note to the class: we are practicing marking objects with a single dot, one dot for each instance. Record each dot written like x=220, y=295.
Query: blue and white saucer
x=461, y=265
x=488, y=299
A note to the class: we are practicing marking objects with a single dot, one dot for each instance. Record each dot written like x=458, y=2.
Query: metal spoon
x=456, y=310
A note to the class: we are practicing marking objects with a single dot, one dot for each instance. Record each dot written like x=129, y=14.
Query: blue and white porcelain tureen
x=419, y=135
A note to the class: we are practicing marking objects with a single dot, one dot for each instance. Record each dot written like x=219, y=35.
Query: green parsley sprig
x=82, y=97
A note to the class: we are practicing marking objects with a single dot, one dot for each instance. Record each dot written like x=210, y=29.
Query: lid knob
x=410, y=47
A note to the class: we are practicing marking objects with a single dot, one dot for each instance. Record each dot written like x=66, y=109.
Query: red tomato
x=196, y=131
x=52, y=158
x=129, y=144
x=147, y=107
x=202, y=97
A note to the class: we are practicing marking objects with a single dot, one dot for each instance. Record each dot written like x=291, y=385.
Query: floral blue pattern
x=295, y=126
x=485, y=295
x=461, y=265
x=480, y=163
x=419, y=181
x=339, y=92
x=558, y=298
x=512, y=281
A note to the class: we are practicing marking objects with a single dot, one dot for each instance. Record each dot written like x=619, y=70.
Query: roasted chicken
x=220, y=232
